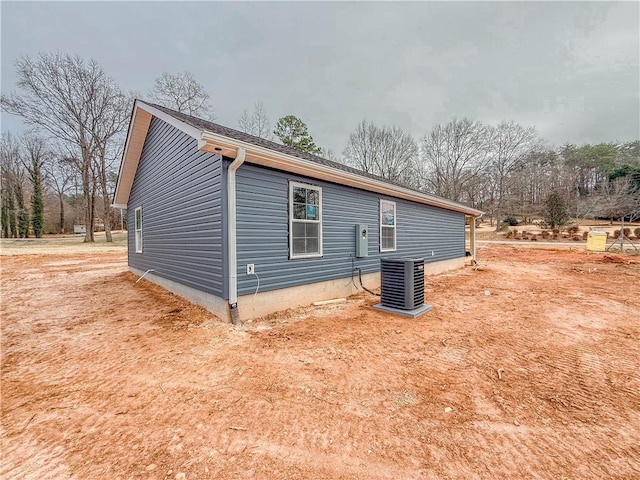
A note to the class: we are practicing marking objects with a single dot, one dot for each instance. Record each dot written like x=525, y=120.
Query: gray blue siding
x=262, y=231
x=180, y=191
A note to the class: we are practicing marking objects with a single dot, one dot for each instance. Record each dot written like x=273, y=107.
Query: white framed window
x=387, y=226
x=138, y=228
x=305, y=220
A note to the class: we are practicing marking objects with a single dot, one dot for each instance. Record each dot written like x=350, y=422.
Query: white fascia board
x=174, y=122
x=286, y=162
x=325, y=172
x=131, y=161
x=126, y=147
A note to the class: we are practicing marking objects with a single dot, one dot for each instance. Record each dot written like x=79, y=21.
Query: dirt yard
x=526, y=368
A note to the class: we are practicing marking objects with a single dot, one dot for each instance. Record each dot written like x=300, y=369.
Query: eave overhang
x=221, y=145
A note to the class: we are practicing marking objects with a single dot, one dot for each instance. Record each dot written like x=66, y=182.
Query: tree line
x=505, y=170
x=77, y=118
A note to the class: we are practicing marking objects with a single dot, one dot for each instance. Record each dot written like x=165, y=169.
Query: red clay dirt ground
x=106, y=378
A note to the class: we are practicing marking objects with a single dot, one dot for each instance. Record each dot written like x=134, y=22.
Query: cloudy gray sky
x=569, y=69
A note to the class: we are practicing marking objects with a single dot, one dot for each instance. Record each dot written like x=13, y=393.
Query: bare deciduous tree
x=77, y=103
x=454, y=155
x=59, y=175
x=329, y=155
x=387, y=152
x=11, y=179
x=113, y=105
x=183, y=93
x=257, y=123
x=619, y=197
x=511, y=143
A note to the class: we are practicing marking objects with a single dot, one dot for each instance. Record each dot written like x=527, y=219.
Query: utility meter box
x=596, y=241
x=362, y=240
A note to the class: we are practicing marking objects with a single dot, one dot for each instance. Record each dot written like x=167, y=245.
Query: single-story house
x=244, y=226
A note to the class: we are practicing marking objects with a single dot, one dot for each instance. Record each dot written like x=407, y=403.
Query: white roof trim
x=318, y=170
x=263, y=156
x=174, y=122
x=138, y=125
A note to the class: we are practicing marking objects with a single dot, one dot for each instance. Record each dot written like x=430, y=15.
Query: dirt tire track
x=105, y=378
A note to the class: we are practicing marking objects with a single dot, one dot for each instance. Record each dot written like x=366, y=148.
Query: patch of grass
x=62, y=240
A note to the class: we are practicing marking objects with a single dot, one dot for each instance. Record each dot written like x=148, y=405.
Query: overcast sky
x=569, y=69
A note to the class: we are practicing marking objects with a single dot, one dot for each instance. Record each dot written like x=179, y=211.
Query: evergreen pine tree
x=293, y=132
x=37, y=204
x=23, y=213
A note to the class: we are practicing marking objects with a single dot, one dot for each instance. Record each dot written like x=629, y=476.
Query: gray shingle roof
x=261, y=142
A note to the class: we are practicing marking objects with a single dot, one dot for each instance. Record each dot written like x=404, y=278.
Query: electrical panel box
x=597, y=241
x=362, y=240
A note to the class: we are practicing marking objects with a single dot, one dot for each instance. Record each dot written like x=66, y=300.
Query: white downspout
x=231, y=235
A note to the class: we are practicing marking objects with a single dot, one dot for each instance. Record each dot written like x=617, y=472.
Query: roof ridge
x=223, y=130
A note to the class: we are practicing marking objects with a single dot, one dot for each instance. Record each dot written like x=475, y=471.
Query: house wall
x=264, y=303
x=262, y=232
x=180, y=191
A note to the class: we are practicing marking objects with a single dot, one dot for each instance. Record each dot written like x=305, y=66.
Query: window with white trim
x=138, y=228
x=387, y=226
x=305, y=220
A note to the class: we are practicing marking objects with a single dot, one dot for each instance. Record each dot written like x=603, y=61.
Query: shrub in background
x=555, y=210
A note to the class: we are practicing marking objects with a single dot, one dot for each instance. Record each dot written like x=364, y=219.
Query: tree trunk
x=13, y=224
x=4, y=219
x=88, y=221
x=88, y=197
x=23, y=213
x=105, y=198
x=37, y=202
x=61, y=198
x=498, y=210
x=107, y=219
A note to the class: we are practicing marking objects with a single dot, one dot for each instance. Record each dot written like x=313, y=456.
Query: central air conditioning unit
x=402, y=286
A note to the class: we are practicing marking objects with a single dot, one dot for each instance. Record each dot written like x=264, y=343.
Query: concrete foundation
x=264, y=303
x=213, y=303
x=416, y=312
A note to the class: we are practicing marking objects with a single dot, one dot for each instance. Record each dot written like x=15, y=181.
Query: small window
x=305, y=220
x=138, y=221
x=387, y=226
